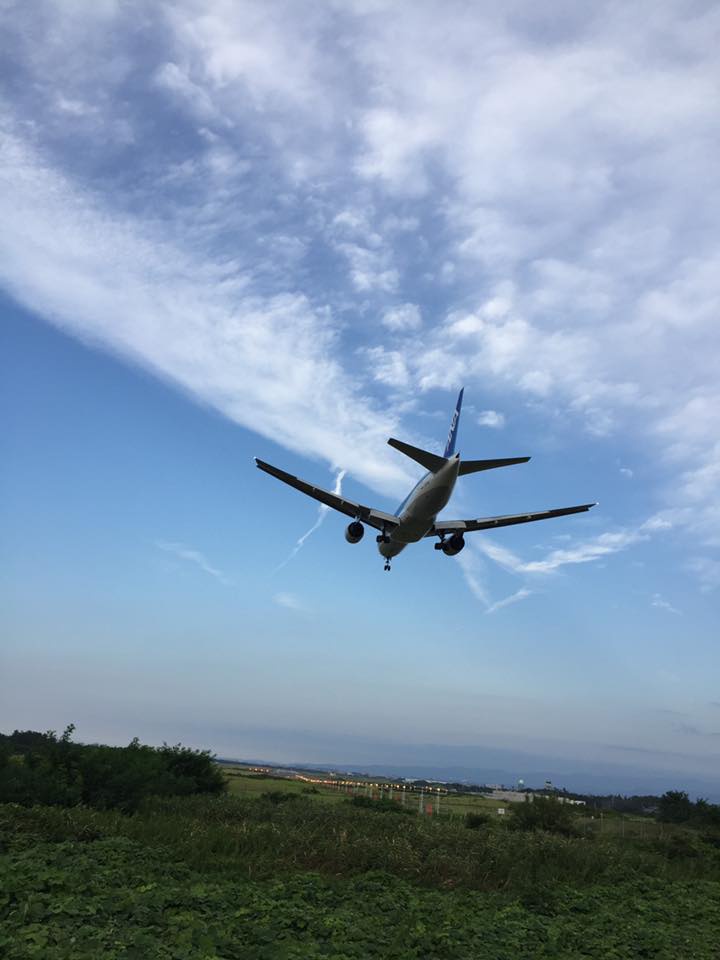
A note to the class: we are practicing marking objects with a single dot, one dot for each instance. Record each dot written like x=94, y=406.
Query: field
x=274, y=871
x=242, y=782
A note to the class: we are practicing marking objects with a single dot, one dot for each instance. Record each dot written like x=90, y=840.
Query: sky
x=237, y=229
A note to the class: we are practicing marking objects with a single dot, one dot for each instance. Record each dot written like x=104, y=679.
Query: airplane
x=416, y=517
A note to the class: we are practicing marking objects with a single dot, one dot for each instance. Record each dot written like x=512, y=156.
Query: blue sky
x=238, y=229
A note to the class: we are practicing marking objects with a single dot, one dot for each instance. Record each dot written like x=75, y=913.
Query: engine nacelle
x=454, y=545
x=355, y=532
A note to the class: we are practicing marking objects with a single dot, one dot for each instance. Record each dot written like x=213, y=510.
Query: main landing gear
x=382, y=537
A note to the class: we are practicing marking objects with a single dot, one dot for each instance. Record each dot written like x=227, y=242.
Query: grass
x=242, y=783
x=250, y=878
x=260, y=838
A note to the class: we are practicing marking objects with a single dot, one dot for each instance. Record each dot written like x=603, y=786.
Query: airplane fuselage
x=416, y=517
x=418, y=511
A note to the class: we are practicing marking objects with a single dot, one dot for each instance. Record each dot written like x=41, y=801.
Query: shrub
x=543, y=813
x=279, y=796
x=675, y=807
x=474, y=821
x=50, y=770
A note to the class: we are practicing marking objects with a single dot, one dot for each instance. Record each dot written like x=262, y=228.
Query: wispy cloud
x=586, y=551
x=690, y=730
x=707, y=570
x=269, y=362
x=497, y=176
x=322, y=513
x=290, y=601
x=516, y=597
x=183, y=552
x=470, y=565
x=661, y=604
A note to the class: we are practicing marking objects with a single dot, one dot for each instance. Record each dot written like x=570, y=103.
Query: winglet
x=452, y=436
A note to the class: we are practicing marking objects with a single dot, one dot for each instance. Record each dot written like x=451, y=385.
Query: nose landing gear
x=387, y=565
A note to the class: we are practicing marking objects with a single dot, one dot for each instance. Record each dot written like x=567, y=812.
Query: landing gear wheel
x=387, y=565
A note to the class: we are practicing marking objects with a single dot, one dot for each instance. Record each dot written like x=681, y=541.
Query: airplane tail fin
x=431, y=461
x=452, y=436
x=475, y=466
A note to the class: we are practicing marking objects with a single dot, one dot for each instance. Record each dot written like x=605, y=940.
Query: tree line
x=44, y=768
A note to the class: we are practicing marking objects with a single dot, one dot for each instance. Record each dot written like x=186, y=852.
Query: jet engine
x=454, y=545
x=354, y=532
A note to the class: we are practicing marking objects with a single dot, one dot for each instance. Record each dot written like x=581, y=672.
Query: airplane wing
x=357, y=511
x=489, y=523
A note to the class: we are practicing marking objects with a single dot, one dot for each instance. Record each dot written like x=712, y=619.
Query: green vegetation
x=676, y=807
x=116, y=898
x=543, y=813
x=44, y=768
x=272, y=871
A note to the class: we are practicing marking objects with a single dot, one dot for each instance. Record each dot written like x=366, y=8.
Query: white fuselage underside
x=417, y=514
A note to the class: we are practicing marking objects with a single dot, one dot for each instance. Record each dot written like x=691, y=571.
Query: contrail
x=322, y=513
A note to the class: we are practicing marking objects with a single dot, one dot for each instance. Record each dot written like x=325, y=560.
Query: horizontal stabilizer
x=475, y=466
x=431, y=461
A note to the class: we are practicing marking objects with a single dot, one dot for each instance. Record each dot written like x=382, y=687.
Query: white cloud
x=491, y=418
x=587, y=551
x=267, y=362
x=595, y=549
x=387, y=366
x=290, y=601
x=183, y=552
x=370, y=270
x=540, y=190
x=75, y=108
x=627, y=472
x=470, y=565
x=404, y=317
x=661, y=604
x=516, y=597
x=175, y=79
x=707, y=570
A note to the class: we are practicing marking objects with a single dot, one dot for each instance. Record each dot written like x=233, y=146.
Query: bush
x=474, y=821
x=50, y=770
x=675, y=807
x=543, y=813
x=279, y=796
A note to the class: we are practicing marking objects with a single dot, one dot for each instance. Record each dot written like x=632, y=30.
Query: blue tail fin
x=450, y=445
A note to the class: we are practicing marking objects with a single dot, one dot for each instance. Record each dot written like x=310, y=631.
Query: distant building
x=518, y=796
x=510, y=796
